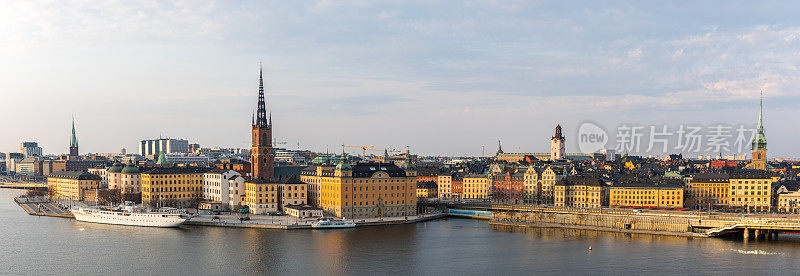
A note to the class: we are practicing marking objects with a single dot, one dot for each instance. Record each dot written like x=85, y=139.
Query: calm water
x=43, y=245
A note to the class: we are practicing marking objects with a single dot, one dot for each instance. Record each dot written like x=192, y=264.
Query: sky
x=444, y=78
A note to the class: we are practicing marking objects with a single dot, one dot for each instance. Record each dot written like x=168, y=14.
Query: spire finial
x=761, y=112
x=73, y=140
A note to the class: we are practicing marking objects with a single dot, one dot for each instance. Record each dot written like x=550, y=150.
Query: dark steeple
x=73, y=141
x=558, y=134
x=261, y=114
x=499, y=147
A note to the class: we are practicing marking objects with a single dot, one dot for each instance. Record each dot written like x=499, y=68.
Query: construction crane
x=363, y=149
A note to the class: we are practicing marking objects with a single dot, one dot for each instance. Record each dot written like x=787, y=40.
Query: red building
x=722, y=164
x=508, y=187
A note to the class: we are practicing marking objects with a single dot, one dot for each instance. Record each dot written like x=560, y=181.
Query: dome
x=130, y=169
x=117, y=167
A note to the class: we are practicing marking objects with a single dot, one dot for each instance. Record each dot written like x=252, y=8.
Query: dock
x=290, y=223
x=42, y=208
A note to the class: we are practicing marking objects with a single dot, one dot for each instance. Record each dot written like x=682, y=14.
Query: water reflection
x=44, y=245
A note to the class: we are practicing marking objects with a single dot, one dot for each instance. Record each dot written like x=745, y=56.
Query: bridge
x=23, y=185
x=759, y=228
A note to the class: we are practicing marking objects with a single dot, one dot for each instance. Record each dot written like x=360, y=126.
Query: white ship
x=324, y=223
x=129, y=215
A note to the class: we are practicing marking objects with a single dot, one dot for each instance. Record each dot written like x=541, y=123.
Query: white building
x=30, y=149
x=156, y=146
x=557, y=147
x=126, y=178
x=102, y=173
x=225, y=186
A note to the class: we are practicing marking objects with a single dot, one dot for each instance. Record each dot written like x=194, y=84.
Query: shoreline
x=596, y=228
x=248, y=224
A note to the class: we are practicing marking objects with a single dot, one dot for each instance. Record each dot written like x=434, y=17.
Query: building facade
x=476, y=187
x=709, y=188
x=156, y=146
x=224, y=186
x=646, y=195
x=72, y=185
x=364, y=190
x=508, y=187
x=583, y=192
x=751, y=190
x=173, y=187
x=30, y=149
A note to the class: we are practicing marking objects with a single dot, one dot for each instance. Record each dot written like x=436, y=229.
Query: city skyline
x=442, y=82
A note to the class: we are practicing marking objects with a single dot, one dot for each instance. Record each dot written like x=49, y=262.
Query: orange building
x=709, y=188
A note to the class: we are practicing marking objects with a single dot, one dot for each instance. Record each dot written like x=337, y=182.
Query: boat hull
x=130, y=219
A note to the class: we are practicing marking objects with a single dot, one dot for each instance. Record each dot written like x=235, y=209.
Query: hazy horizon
x=443, y=79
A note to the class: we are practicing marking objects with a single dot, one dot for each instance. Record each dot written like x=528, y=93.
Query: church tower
x=262, y=157
x=557, y=147
x=759, y=144
x=73, y=141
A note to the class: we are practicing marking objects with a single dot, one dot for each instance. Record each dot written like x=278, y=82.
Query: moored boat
x=326, y=223
x=129, y=215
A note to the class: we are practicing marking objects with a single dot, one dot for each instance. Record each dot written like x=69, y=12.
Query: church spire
x=261, y=114
x=73, y=140
x=760, y=139
x=499, y=147
x=761, y=113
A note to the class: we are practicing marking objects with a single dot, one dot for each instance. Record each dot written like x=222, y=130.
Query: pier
x=40, y=207
x=663, y=222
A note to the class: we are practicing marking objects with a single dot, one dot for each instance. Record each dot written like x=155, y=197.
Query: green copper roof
x=408, y=165
x=343, y=164
x=130, y=169
x=760, y=139
x=117, y=167
x=162, y=159
x=73, y=140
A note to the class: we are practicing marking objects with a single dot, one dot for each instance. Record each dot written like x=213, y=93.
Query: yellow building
x=314, y=176
x=365, y=189
x=293, y=192
x=584, y=192
x=546, y=183
x=533, y=185
x=476, y=187
x=646, y=195
x=789, y=202
x=172, y=187
x=444, y=185
x=427, y=189
x=751, y=190
x=709, y=188
x=72, y=184
x=261, y=196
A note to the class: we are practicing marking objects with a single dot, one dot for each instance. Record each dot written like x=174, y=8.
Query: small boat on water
x=327, y=223
x=129, y=214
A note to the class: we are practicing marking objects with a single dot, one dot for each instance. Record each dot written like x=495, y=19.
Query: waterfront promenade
x=43, y=207
x=648, y=221
x=288, y=222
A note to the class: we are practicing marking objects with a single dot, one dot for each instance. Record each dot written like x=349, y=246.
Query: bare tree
x=195, y=200
x=109, y=196
x=132, y=197
x=36, y=193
